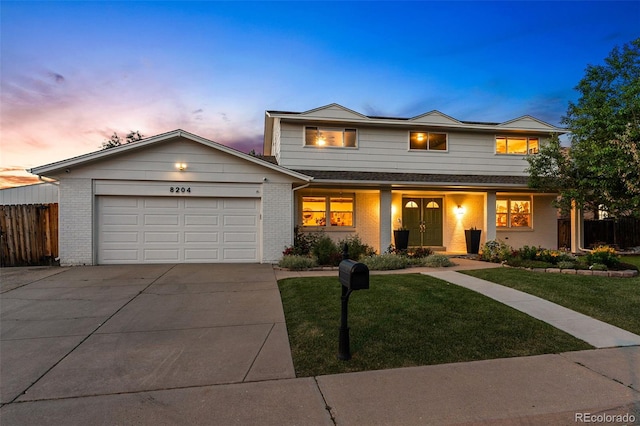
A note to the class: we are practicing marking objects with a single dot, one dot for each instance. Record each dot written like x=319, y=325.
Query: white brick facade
x=76, y=222
x=277, y=220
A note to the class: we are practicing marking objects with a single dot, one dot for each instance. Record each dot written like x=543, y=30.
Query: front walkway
x=592, y=331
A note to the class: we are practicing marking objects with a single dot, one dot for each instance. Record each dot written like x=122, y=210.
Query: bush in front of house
x=385, y=262
x=326, y=251
x=496, y=251
x=437, y=261
x=603, y=255
x=296, y=262
x=356, y=248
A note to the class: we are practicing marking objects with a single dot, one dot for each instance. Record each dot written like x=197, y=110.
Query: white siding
x=40, y=193
x=75, y=217
x=387, y=150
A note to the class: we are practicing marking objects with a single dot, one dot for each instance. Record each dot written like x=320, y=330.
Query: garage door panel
x=201, y=237
x=121, y=237
x=162, y=203
x=200, y=220
x=162, y=255
x=239, y=237
x=240, y=220
x=177, y=229
x=121, y=219
x=121, y=256
x=201, y=255
x=161, y=237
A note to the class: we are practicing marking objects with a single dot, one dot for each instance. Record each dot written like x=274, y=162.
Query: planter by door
x=401, y=239
x=473, y=240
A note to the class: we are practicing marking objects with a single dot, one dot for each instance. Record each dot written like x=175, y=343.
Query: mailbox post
x=353, y=276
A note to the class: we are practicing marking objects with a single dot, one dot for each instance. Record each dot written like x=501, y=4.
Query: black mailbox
x=353, y=275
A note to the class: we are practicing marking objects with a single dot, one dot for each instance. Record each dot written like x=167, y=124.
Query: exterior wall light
x=181, y=166
x=459, y=210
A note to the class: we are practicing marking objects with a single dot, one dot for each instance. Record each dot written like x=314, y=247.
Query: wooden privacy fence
x=624, y=233
x=28, y=234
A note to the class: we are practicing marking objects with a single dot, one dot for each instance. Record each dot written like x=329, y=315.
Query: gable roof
x=143, y=143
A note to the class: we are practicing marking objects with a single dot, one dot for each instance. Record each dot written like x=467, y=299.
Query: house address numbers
x=179, y=189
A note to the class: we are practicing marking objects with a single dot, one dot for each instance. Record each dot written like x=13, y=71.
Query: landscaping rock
x=568, y=271
x=554, y=270
x=601, y=273
x=584, y=272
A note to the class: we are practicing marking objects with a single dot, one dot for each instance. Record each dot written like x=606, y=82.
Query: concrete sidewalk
x=597, y=333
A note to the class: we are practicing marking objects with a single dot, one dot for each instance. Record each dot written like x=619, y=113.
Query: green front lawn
x=613, y=300
x=407, y=320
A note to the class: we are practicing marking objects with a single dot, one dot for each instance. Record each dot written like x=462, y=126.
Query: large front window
x=327, y=211
x=513, y=213
x=331, y=137
x=428, y=141
x=519, y=145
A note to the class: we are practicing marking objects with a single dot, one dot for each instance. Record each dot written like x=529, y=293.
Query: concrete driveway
x=112, y=330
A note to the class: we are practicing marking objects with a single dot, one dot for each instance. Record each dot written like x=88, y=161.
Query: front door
x=423, y=218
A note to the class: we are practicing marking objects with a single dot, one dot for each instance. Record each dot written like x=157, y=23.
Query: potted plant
x=401, y=238
x=473, y=240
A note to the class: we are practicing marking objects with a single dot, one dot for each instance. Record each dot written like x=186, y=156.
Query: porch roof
x=392, y=178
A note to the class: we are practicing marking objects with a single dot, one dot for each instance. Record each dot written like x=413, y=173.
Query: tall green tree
x=115, y=140
x=602, y=165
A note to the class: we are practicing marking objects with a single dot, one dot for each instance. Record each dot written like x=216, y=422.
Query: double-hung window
x=327, y=210
x=513, y=213
x=330, y=137
x=428, y=141
x=519, y=145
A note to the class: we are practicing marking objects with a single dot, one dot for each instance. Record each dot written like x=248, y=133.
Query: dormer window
x=428, y=141
x=519, y=145
x=330, y=137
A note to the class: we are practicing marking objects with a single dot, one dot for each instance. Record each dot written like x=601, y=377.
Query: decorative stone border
x=629, y=273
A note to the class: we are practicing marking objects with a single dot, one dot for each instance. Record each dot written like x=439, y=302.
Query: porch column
x=490, y=216
x=385, y=219
x=577, y=237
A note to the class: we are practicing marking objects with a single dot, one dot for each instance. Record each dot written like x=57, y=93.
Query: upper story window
x=428, y=141
x=513, y=213
x=519, y=145
x=333, y=137
x=317, y=209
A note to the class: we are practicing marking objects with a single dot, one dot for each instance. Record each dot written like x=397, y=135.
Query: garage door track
x=71, y=332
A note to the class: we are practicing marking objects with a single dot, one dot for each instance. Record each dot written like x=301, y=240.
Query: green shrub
x=356, y=247
x=437, y=261
x=554, y=256
x=303, y=243
x=385, y=262
x=531, y=264
x=420, y=252
x=566, y=264
x=296, y=263
x=604, y=255
x=495, y=251
x=326, y=251
x=528, y=252
x=598, y=267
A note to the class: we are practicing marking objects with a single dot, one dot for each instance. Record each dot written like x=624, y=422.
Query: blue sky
x=72, y=72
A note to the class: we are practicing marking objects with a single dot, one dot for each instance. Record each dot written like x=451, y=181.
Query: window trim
x=528, y=138
x=427, y=149
x=330, y=129
x=327, y=226
x=508, y=226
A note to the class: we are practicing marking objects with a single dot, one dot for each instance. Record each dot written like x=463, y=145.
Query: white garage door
x=177, y=229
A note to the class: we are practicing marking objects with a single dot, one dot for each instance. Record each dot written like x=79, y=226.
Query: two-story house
x=431, y=174
x=178, y=197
